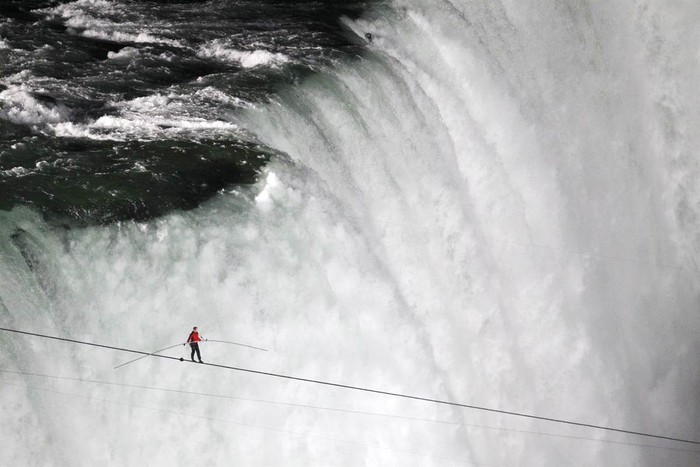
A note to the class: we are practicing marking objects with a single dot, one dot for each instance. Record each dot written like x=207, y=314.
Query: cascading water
x=494, y=205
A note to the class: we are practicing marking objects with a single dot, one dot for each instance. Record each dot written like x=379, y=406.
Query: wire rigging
x=248, y=425
x=369, y=390
x=350, y=411
x=149, y=355
x=184, y=343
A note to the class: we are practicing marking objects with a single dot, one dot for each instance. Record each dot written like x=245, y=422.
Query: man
x=193, y=340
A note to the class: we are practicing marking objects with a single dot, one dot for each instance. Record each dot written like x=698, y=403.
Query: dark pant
x=195, y=348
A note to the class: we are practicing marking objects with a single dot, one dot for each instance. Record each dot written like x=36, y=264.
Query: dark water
x=127, y=110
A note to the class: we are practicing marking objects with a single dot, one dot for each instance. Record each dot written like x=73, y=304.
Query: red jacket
x=194, y=337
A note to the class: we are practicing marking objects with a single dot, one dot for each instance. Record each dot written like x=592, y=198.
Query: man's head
x=194, y=328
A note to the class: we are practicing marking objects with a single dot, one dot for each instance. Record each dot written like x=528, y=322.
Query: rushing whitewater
x=496, y=205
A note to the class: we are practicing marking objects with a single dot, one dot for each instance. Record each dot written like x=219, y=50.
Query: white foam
x=247, y=59
x=19, y=106
x=119, y=36
x=88, y=18
x=145, y=128
x=18, y=78
x=147, y=118
x=89, y=11
x=85, y=21
x=16, y=172
x=266, y=196
x=212, y=93
x=155, y=102
x=127, y=53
